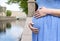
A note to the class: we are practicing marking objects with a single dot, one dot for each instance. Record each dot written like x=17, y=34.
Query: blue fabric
x=49, y=3
x=49, y=25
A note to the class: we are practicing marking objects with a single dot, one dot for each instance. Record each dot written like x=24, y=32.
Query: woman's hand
x=41, y=12
x=35, y=30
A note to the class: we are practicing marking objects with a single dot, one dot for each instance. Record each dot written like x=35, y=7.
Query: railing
x=31, y=7
x=3, y=18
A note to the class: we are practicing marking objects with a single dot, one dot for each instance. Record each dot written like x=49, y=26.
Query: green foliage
x=1, y=9
x=8, y=13
x=22, y=3
x=24, y=6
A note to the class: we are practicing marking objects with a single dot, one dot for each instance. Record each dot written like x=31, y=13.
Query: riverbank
x=26, y=35
x=7, y=18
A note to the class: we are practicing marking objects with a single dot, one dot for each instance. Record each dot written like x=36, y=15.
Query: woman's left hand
x=40, y=12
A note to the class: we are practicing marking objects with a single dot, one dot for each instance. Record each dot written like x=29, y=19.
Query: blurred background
x=14, y=18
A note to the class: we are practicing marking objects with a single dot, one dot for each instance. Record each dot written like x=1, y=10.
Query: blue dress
x=49, y=25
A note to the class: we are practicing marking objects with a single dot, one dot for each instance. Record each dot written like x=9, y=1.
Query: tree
x=8, y=13
x=22, y=3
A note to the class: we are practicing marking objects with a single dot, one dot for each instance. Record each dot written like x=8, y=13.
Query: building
x=2, y=11
x=18, y=14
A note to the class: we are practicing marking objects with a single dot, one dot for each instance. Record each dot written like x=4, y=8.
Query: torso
x=55, y=4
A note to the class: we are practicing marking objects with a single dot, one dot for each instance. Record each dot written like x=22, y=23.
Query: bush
x=8, y=13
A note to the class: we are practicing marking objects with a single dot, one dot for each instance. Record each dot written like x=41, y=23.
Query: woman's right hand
x=35, y=30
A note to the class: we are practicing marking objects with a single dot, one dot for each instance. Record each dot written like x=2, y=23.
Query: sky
x=12, y=7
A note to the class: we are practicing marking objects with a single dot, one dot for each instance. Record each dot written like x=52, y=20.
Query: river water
x=11, y=31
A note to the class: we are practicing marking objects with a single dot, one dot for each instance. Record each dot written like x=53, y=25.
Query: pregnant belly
x=37, y=22
x=47, y=21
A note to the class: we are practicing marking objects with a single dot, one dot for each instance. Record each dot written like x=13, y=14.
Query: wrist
x=46, y=11
x=49, y=11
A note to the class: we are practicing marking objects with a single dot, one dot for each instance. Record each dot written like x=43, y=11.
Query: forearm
x=55, y=12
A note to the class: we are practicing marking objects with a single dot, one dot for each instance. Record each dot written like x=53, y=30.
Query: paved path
x=27, y=32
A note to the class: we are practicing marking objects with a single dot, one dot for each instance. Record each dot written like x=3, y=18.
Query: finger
x=35, y=28
x=37, y=15
x=40, y=15
x=35, y=32
x=30, y=24
x=36, y=12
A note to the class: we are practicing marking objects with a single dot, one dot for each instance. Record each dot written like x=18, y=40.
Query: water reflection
x=10, y=31
x=2, y=27
x=8, y=25
x=2, y=30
